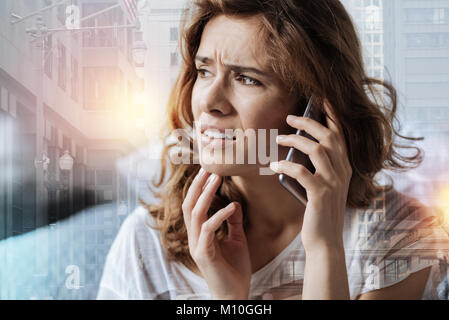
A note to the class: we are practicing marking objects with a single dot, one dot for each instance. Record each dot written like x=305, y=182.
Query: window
x=362, y=216
x=74, y=82
x=426, y=260
x=427, y=40
x=396, y=268
x=173, y=34
x=371, y=217
x=373, y=17
x=90, y=236
x=100, y=239
x=390, y=271
x=362, y=229
x=367, y=38
x=61, y=15
x=111, y=37
x=377, y=50
x=103, y=196
x=129, y=45
x=378, y=74
x=48, y=56
x=102, y=90
x=90, y=177
x=427, y=90
x=426, y=15
x=62, y=66
x=173, y=59
x=99, y=215
x=105, y=177
x=90, y=259
x=138, y=36
x=89, y=219
x=377, y=62
x=368, y=61
x=131, y=95
x=427, y=66
x=66, y=144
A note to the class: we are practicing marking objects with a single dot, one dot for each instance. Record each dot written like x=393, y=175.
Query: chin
x=223, y=170
x=230, y=170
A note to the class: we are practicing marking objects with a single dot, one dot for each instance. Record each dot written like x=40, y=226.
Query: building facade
x=418, y=59
x=65, y=91
x=368, y=17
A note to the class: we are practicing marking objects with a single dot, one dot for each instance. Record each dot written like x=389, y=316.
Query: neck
x=270, y=208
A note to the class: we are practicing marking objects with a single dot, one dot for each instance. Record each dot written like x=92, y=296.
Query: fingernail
x=291, y=118
x=274, y=166
x=201, y=171
x=280, y=138
x=207, y=182
x=212, y=178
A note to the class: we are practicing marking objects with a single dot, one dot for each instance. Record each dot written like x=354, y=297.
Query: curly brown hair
x=313, y=47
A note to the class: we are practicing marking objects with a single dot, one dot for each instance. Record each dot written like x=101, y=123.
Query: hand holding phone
x=294, y=155
x=323, y=191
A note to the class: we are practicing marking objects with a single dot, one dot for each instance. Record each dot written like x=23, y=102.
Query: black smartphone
x=294, y=155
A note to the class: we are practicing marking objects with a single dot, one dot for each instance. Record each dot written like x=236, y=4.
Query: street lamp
x=45, y=162
x=66, y=162
x=39, y=29
x=66, y=165
x=139, y=51
x=37, y=35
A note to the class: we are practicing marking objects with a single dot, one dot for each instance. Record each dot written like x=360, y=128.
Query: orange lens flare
x=442, y=202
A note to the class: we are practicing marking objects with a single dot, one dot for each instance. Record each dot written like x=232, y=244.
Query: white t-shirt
x=137, y=268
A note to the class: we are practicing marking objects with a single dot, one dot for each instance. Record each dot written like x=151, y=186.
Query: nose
x=215, y=98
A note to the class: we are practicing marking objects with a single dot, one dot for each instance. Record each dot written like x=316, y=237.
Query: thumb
x=235, y=224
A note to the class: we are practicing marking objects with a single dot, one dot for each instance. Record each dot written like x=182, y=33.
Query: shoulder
x=391, y=211
x=399, y=206
x=137, y=232
x=393, y=221
x=135, y=266
x=141, y=223
x=405, y=219
x=397, y=236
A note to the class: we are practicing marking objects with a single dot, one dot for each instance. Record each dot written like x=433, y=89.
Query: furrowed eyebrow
x=235, y=68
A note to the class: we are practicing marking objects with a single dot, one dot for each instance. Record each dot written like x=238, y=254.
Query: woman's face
x=235, y=89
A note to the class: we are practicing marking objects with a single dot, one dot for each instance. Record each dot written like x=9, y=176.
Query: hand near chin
x=225, y=265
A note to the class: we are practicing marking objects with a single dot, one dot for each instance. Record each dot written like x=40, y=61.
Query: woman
x=223, y=230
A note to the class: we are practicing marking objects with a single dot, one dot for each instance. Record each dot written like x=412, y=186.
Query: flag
x=130, y=9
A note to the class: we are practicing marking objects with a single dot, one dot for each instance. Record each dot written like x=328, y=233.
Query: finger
x=199, y=212
x=335, y=126
x=312, y=127
x=195, y=190
x=235, y=225
x=207, y=234
x=326, y=137
x=331, y=119
x=191, y=198
x=316, y=152
x=296, y=171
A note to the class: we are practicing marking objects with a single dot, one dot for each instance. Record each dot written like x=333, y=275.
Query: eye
x=247, y=81
x=202, y=72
